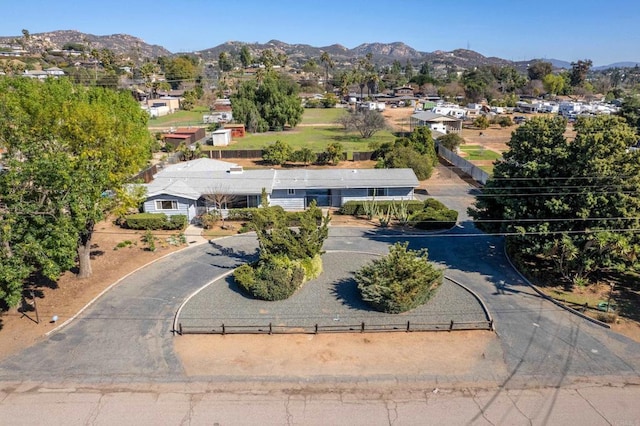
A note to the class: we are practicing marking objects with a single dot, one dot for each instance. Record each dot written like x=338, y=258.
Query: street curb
x=478, y=298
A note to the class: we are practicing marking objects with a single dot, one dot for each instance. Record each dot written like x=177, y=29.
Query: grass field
x=477, y=152
x=322, y=115
x=180, y=118
x=316, y=131
x=314, y=138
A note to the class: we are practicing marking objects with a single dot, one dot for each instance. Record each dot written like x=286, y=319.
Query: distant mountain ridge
x=383, y=53
x=121, y=44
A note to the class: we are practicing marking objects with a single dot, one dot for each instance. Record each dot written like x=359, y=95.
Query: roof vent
x=235, y=170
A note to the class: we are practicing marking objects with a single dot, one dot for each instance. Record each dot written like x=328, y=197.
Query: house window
x=291, y=192
x=166, y=205
x=377, y=192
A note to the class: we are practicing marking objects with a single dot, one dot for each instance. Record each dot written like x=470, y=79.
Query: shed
x=221, y=137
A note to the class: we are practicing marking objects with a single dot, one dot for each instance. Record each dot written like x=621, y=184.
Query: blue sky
x=603, y=31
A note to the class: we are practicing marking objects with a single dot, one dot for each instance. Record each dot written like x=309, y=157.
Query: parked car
x=519, y=119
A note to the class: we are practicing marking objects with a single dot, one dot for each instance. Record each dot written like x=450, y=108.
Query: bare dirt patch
x=304, y=355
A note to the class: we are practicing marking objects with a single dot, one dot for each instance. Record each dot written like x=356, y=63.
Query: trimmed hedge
x=276, y=279
x=356, y=208
x=155, y=221
x=245, y=214
x=430, y=219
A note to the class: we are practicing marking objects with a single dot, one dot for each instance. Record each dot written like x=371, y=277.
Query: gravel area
x=332, y=302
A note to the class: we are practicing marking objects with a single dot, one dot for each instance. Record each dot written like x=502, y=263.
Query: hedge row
x=430, y=219
x=155, y=221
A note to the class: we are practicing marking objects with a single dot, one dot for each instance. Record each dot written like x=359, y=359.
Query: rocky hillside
x=120, y=44
x=382, y=53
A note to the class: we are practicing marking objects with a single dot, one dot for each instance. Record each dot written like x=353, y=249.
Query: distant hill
x=617, y=65
x=121, y=44
x=382, y=53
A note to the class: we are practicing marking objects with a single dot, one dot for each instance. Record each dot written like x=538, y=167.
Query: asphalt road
x=126, y=336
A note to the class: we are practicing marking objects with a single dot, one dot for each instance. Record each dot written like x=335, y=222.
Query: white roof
x=191, y=179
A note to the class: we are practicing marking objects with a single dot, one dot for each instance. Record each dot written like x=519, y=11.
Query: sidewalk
x=194, y=235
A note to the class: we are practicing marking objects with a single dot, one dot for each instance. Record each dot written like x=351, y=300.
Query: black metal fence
x=362, y=327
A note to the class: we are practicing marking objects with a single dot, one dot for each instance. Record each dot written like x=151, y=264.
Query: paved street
x=125, y=340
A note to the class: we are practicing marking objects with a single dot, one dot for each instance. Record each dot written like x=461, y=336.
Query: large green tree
x=270, y=103
x=180, y=69
x=538, y=69
x=67, y=147
x=574, y=203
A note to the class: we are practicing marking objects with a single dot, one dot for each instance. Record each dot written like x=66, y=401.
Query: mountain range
x=382, y=53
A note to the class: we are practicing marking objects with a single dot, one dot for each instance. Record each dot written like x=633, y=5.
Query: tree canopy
x=270, y=103
x=68, y=147
x=574, y=203
x=417, y=152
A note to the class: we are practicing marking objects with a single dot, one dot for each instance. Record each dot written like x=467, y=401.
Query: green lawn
x=477, y=152
x=314, y=138
x=180, y=118
x=322, y=115
x=311, y=134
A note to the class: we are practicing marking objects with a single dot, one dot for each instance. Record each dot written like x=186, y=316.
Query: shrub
x=177, y=221
x=123, y=244
x=357, y=208
x=432, y=203
x=400, y=281
x=155, y=221
x=481, y=122
x=502, y=121
x=275, y=279
x=312, y=267
x=451, y=141
x=209, y=219
x=245, y=214
x=149, y=240
x=146, y=221
x=431, y=219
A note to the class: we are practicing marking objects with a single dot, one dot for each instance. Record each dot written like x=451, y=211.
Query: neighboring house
x=437, y=122
x=186, y=135
x=403, y=91
x=173, y=103
x=182, y=188
x=42, y=75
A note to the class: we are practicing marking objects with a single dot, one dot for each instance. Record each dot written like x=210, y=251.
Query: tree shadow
x=346, y=291
x=231, y=253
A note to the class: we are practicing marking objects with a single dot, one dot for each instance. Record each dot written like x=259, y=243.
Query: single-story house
x=187, y=188
x=437, y=122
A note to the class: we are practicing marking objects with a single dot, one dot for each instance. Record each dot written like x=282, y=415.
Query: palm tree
x=325, y=58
